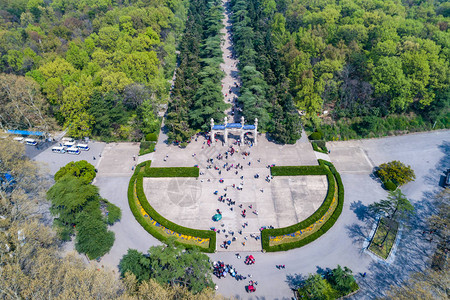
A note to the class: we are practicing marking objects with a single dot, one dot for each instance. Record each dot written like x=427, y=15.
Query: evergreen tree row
x=265, y=88
x=196, y=95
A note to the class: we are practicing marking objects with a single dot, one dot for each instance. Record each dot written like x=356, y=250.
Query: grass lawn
x=380, y=235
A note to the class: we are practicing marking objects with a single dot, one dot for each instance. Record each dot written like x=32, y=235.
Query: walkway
x=231, y=82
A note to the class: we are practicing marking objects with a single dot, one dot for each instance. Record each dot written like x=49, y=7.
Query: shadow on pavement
x=295, y=280
x=414, y=250
x=359, y=209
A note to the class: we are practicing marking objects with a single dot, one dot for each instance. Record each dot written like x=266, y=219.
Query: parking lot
x=54, y=161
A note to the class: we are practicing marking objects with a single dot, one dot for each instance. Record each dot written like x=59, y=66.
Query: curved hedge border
x=332, y=177
x=137, y=179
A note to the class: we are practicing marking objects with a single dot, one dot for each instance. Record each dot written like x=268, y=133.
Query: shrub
x=146, y=147
x=316, y=136
x=390, y=186
x=319, y=146
x=396, y=171
x=152, y=137
x=81, y=169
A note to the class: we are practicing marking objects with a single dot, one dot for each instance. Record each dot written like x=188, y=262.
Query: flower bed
x=300, y=234
x=157, y=225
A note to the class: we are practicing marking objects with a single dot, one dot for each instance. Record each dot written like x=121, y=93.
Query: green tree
x=92, y=236
x=341, y=279
x=396, y=172
x=208, y=103
x=395, y=208
x=391, y=83
x=136, y=263
x=316, y=288
x=81, y=169
x=68, y=196
x=76, y=56
x=177, y=266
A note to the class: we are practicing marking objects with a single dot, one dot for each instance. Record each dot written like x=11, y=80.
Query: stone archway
x=240, y=128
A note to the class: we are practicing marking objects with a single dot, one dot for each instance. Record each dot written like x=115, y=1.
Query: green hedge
x=138, y=176
x=172, y=172
x=331, y=172
x=298, y=170
x=318, y=147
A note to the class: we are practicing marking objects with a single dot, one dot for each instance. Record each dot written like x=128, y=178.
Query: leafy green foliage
x=114, y=213
x=298, y=170
x=173, y=172
x=396, y=206
x=80, y=169
x=390, y=186
x=68, y=196
x=341, y=279
x=196, y=95
x=265, y=86
x=136, y=263
x=316, y=136
x=171, y=265
x=92, y=236
x=77, y=204
x=336, y=283
x=146, y=147
x=396, y=172
x=81, y=52
x=176, y=266
x=352, y=60
x=152, y=137
x=317, y=288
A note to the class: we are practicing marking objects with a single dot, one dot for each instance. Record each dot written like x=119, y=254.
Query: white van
x=67, y=139
x=30, y=142
x=69, y=144
x=83, y=147
x=58, y=150
x=18, y=139
x=73, y=150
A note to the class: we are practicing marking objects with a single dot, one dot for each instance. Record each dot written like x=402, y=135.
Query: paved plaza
x=190, y=202
x=427, y=153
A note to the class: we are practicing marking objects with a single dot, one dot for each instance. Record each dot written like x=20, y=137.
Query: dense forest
x=366, y=67
x=197, y=94
x=98, y=67
x=264, y=93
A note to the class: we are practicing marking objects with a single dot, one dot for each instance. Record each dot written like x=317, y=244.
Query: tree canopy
x=396, y=171
x=81, y=169
x=171, y=265
x=70, y=56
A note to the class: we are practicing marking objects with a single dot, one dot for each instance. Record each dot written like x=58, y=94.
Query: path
x=231, y=82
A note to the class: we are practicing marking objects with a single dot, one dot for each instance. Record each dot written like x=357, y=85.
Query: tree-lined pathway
x=231, y=81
